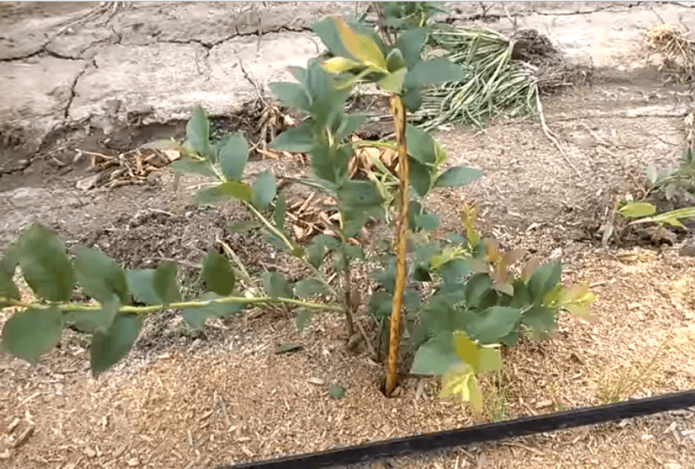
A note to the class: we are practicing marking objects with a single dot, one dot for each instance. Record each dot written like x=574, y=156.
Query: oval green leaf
x=218, y=273
x=108, y=348
x=30, y=333
x=45, y=265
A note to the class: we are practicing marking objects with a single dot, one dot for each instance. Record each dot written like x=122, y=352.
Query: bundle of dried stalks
x=134, y=167
x=673, y=42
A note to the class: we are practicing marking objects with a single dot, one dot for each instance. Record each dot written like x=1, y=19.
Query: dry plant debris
x=134, y=167
x=673, y=42
x=311, y=216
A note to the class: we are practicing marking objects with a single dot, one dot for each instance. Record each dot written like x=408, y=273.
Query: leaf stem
x=290, y=246
x=70, y=307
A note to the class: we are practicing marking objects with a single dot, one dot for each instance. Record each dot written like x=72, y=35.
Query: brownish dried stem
x=398, y=112
x=349, y=325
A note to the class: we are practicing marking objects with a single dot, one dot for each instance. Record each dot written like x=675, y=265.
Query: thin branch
x=240, y=265
x=552, y=138
x=70, y=307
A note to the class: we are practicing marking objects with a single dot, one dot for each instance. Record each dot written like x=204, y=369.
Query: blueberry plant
x=458, y=299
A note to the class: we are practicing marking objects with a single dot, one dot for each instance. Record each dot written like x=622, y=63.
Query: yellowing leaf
x=637, y=210
x=339, y=65
x=466, y=349
x=361, y=47
x=490, y=359
x=455, y=382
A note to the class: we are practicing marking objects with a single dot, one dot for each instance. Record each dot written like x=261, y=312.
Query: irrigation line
x=478, y=434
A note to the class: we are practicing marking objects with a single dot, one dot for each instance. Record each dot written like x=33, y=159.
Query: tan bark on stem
x=398, y=112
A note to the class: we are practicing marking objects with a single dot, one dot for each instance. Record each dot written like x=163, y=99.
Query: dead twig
x=551, y=136
x=253, y=82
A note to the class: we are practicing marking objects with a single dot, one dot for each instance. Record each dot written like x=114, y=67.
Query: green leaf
x=435, y=357
x=354, y=252
x=432, y=72
x=30, y=333
x=264, y=190
x=410, y=44
x=637, y=210
x=427, y=221
x=276, y=286
x=336, y=391
x=358, y=201
x=108, y=348
x=303, y=319
x=45, y=265
x=315, y=252
x=543, y=280
x=186, y=165
x=94, y=321
x=140, y=283
x=540, y=319
x=233, y=156
x=100, y=276
x=420, y=145
x=198, y=131
x=293, y=95
x=494, y=323
x=412, y=99
x=393, y=82
x=164, y=283
x=244, y=226
x=223, y=192
x=296, y=139
x=380, y=304
x=395, y=61
x=218, y=273
x=457, y=176
x=279, y=213
x=196, y=317
x=420, y=177
x=309, y=287
x=477, y=288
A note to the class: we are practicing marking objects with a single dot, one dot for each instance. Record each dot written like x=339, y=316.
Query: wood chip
x=316, y=381
x=23, y=437
x=13, y=425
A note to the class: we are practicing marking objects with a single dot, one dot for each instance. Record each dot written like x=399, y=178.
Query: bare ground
x=224, y=396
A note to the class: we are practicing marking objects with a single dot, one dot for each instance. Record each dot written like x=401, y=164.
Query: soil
x=127, y=74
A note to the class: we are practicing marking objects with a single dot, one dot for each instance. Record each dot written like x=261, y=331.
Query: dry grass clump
x=674, y=43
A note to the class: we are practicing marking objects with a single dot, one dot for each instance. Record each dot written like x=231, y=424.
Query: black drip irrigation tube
x=478, y=434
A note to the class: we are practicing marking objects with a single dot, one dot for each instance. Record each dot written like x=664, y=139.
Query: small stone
x=87, y=183
x=542, y=404
x=316, y=381
x=688, y=250
x=90, y=452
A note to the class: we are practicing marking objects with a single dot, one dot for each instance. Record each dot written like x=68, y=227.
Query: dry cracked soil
x=107, y=78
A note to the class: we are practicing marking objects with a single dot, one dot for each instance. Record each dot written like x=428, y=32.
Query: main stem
x=398, y=112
